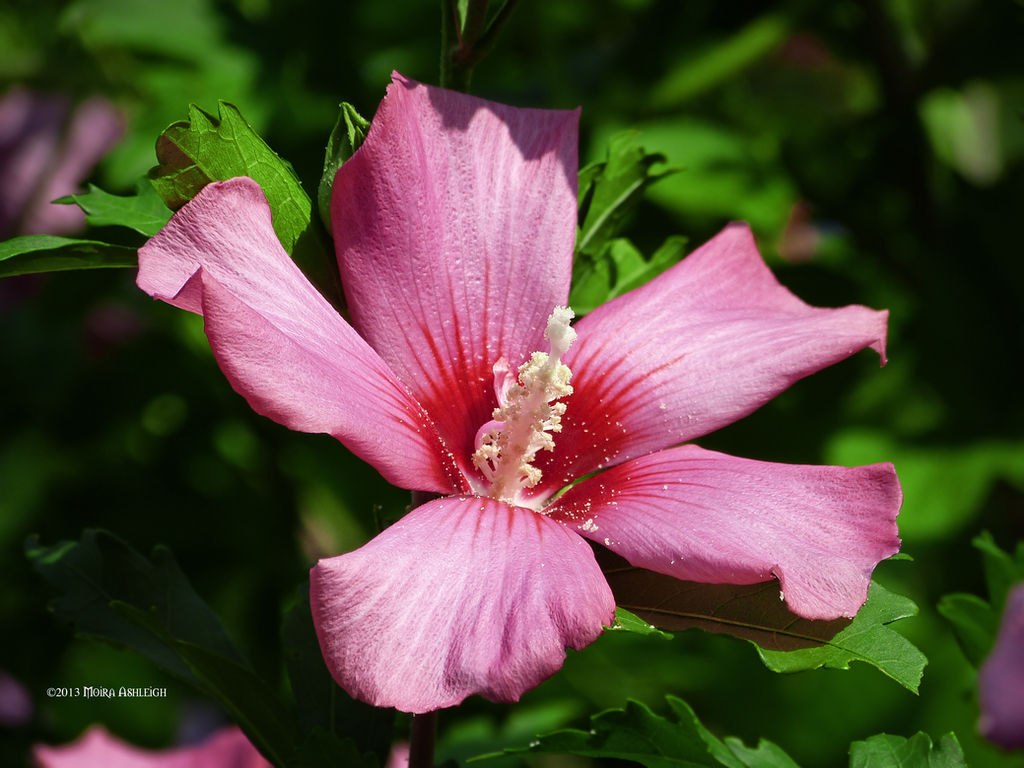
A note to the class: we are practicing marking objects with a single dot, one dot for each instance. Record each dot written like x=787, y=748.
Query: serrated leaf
x=886, y=751
x=619, y=268
x=636, y=733
x=324, y=707
x=868, y=638
x=753, y=612
x=610, y=189
x=347, y=136
x=629, y=622
x=204, y=148
x=48, y=253
x=767, y=755
x=144, y=211
x=100, y=571
x=112, y=593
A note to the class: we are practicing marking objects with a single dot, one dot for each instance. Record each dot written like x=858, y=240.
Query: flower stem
x=464, y=42
x=421, y=740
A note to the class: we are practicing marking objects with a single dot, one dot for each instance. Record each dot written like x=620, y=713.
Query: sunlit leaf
x=619, y=268
x=346, y=137
x=868, y=638
x=629, y=622
x=205, y=148
x=886, y=751
x=48, y=253
x=610, y=189
x=767, y=755
x=145, y=211
x=724, y=174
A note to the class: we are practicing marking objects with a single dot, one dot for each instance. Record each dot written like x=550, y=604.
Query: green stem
x=421, y=740
x=463, y=45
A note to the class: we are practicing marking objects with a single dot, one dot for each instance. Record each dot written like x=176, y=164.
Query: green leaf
x=322, y=749
x=101, y=571
x=974, y=623
x=721, y=60
x=944, y=486
x=205, y=148
x=347, y=136
x=754, y=612
x=868, y=638
x=636, y=733
x=1002, y=570
x=144, y=211
x=246, y=698
x=324, y=707
x=767, y=755
x=49, y=253
x=885, y=751
x=619, y=268
x=629, y=622
x=610, y=189
x=112, y=593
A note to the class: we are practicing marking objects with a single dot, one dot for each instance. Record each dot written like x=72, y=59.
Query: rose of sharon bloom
x=460, y=375
x=1001, y=679
x=46, y=150
x=227, y=748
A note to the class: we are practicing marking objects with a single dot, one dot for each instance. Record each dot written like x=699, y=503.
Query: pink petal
x=15, y=702
x=463, y=595
x=98, y=749
x=30, y=134
x=703, y=516
x=454, y=226
x=94, y=128
x=1001, y=679
x=699, y=347
x=280, y=343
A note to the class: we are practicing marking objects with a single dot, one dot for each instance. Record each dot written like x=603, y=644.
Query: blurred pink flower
x=46, y=150
x=96, y=748
x=1001, y=679
x=460, y=376
x=15, y=702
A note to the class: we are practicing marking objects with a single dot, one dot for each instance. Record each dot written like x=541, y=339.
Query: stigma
x=527, y=415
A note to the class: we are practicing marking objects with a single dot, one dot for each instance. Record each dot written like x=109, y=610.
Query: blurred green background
x=877, y=148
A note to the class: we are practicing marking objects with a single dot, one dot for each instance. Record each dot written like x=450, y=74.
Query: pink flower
x=460, y=376
x=1001, y=679
x=227, y=748
x=46, y=150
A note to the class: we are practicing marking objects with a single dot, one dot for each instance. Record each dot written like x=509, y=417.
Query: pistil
x=527, y=415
